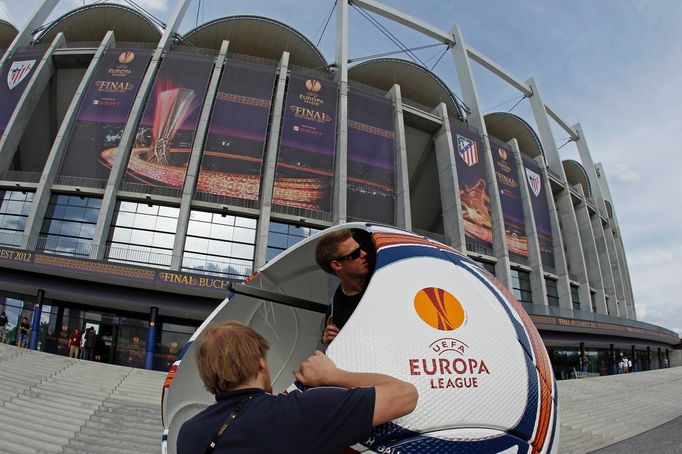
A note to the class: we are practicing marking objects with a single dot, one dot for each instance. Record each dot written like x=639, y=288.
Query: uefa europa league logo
x=172, y=108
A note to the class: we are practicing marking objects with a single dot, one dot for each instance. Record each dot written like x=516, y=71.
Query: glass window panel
x=91, y=215
x=14, y=206
x=125, y=219
x=94, y=203
x=54, y=227
x=121, y=235
x=163, y=240
x=74, y=213
x=200, y=216
x=170, y=212
x=221, y=248
x=166, y=224
x=244, y=235
x=147, y=209
x=26, y=209
x=223, y=219
x=242, y=251
x=222, y=232
x=62, y=199
x=278, y=227
x=196, y=228
x=144, y=221
x=277, y=240
x=141, y=237
x=70, y=228
x=87, y=231
x=245, y=222
x=76, y=201
x=129, y=207
x=195, y=244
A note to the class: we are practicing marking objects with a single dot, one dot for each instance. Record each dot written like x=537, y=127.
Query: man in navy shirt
x=247, y=418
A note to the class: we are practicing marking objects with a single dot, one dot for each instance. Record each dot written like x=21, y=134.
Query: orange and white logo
x=439, y=309
x=313, y=85
x=126, y=57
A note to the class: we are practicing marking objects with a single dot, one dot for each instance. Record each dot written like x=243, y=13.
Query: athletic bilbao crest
x=18, y=72
x=533, y=181
x=467, y=150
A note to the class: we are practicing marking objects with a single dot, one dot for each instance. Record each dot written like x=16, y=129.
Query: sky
x=613, y=66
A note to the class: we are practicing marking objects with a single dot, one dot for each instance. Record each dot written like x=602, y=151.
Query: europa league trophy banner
x=164, y=139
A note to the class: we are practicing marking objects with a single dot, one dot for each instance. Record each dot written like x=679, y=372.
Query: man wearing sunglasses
x=339, y=254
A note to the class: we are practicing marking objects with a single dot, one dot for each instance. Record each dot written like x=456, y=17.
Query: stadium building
x=142, y=171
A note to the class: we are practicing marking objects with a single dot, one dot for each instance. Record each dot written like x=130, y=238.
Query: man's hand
x=330, y=331
x=317, y=370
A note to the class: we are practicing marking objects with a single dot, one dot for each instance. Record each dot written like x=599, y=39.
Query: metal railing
x=433, y=235
x=142, y=188
x=520, y=259
x=478, y=249
x=66, y=180
x=226, y=200
x=302, y=213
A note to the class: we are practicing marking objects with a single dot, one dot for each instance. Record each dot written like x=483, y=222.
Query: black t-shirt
x=24, y=327
x=316, y=421
x=343, y=306
x=3, y=320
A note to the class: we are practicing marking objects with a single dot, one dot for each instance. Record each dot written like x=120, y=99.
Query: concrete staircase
x=52, y=404
x=598, y=412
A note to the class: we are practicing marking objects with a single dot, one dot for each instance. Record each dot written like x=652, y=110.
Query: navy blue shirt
x=318, y=420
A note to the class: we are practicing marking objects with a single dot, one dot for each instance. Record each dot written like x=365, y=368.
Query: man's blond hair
x=228, y=355
x=327, y=248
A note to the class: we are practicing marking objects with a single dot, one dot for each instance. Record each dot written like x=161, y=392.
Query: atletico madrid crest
x=18, y=72
x=534, y=181
x=467, y=150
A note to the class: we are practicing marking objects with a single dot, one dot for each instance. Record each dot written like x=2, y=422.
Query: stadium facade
x=142, y=171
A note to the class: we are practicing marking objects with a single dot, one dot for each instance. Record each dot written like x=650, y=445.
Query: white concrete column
x=17, y=123
x=195, y=160
x=118, y=168
x=268, y=179
x=537, y=276
x=403, y=210
x=340, y=196
x=589, y=246
x=604, y=265
x=469, y=92
x=453, y=227
x=54, y=158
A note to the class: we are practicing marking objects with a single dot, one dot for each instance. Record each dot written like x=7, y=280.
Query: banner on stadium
x=510, y=198
x=102, y=116
x=305, y=164
x=371, y=158
x=16, y=74
x=164, y=139
x=538, y=195
x=473, y=193
x=233, y=152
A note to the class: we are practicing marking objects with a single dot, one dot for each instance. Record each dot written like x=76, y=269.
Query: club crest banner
x=535, y=180
x=473, y=192
x=15, y=77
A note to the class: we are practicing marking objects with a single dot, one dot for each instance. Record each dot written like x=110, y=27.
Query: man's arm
x=393, y=397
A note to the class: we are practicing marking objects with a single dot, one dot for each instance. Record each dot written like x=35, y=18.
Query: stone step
x=70, y=401
x=8, y=420
x=133, y=429
x=11, y=447
x=49, y=413
x=124, y=423
x=108, y=436
x=32, y=432
x=28, y=443
x=39, y=419
x=55, y=407
x=104, y=445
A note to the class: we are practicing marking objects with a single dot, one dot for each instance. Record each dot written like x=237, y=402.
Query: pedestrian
x=89, y=343
x=3, y=326
x=630, y=366
x=24, y=328
x=74, y=343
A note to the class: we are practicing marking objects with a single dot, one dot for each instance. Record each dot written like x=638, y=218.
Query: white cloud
x=623, y=173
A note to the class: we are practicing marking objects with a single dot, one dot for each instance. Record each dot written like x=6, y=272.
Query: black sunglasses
x=355, y=253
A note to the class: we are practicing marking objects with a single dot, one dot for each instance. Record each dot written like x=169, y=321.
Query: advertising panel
x=510, y=198
x=164, y=138
x=103, y=113
x=305, y=164
x=371, y=158
x=469, y=155
x=16, y=74
x=233, y=152
x=538, y=196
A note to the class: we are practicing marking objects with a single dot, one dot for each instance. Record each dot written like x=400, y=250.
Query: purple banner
x=164, y=138
x=103, y=113
x=371, y=158
x=16, y=74
x=538, y=196
x=510, y=198
x=233, y=152
x=305, y=164
x=469, y=155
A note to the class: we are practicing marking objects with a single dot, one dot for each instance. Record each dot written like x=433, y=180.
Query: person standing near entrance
x=24, y=328
x=90, y=339
x=3, y=326
x=74, y=343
